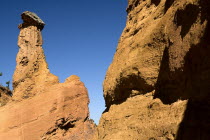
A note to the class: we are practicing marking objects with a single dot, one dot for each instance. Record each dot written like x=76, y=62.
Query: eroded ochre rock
x=5, y=95
x=60, y=112
x=43, y=108
x=141, y=118
x=31, y=75
x=164, y=50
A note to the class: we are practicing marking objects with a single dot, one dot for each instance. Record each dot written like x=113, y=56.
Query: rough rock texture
x=43, y=108
x=31, y=18
x=160, y=32
x=164, y=48
x=141, y=118
x=31, y=75
x=5, y=95
x=60, y=112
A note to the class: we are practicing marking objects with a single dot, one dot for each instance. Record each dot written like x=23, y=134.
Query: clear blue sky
x=80, y=38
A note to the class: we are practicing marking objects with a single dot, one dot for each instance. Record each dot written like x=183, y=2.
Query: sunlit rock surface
x=164, y=52
x=41, y=107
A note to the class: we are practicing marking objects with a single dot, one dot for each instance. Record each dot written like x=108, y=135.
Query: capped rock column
x=52, y=110
x=32, y=72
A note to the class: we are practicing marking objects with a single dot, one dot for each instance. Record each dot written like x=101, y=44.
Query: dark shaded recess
x=10, y=93
x=136, y=3
x=196, y=123
x=125, y=87
x=129, y=8
x=67, y=126
x=156, y=2
x=135, y=32
x=24, y=61
x=6, y=91
x=132, y=6
x=192, y=82
x=186, y=18
x=165, y=81
x=63, y=124
x=194, y=79
x=168, y=4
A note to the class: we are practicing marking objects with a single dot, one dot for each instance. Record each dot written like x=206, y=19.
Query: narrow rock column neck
x=30, y=36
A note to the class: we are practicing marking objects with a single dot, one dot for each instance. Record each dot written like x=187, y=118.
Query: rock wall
x=43, y=108
x=141, y=118
x=157, y=86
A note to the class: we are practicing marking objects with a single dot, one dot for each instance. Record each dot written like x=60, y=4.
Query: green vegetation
x=8, y=82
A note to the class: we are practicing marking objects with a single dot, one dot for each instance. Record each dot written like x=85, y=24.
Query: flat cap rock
x=31, y=19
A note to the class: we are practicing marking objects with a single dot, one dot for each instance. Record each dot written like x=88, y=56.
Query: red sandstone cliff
x=43, y=108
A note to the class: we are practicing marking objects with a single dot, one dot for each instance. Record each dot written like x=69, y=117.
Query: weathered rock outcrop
x=60, y=112
x=141, y=118
x=43, y=108
x=31, y=75
x=164, y=50
x=5, y=95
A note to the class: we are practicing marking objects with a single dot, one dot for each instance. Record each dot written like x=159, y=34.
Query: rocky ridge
x=43, y=108
x=157, y=86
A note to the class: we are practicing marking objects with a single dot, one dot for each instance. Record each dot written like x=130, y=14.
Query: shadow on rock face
x=192, y=82
x=186, y=18
x=168, y=4
x=128, y=86
x=195, y=124
x=156, y=2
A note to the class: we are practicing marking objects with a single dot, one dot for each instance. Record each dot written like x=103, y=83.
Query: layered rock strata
x=163, y=50
x=43, y=108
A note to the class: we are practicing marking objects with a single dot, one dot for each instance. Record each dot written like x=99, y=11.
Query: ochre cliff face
x=157, y=86
x=158, y=33
x=43, y=108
